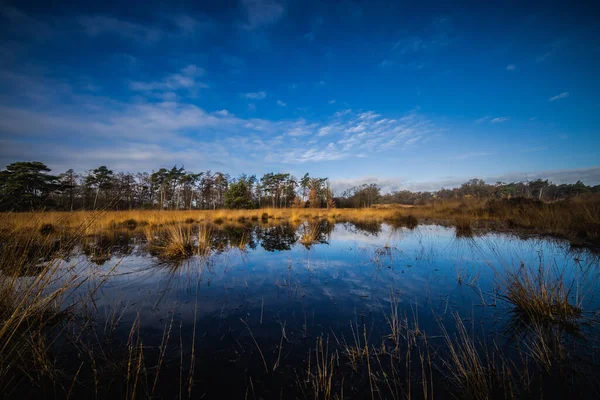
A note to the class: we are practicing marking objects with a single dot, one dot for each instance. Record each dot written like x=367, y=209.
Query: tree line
x=26, y=186
x=368, y=194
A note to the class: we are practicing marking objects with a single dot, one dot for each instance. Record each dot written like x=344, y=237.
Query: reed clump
x=173, y=241
x=311, y=233
x=398, y=219
x=540, y=296
x=462, y=224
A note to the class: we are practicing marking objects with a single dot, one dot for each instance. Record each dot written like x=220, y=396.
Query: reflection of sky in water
x=323, y=288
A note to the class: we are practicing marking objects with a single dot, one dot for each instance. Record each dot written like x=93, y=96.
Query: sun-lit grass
x=577, y=219
x=311, y=233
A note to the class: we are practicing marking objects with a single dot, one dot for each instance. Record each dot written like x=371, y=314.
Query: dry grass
x=476, y=372
x=541, y=295
x=577, y=219
x=399, y=219
x=34, y=287
x=311, y=233
x=462, y=224
x=178, y=241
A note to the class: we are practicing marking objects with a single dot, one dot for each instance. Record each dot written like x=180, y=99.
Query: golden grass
x=311, y=233
x=575, y=219
x=177, y=241
x=540, y=296
x=34, y=285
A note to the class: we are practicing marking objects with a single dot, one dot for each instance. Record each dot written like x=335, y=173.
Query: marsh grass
x=462, y=224
x=541, y=295
x=475, y=371
x=179, y=241
x=33, y=308
x=399, y=219
x=321, y=371
x=577, y=219
x=310, y=233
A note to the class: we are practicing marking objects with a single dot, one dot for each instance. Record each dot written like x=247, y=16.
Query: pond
x=358, y=311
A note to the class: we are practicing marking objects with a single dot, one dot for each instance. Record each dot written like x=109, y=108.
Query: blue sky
x=408, y=96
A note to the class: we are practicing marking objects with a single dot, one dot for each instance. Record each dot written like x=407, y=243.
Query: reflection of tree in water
x=277, y=237
x=366, y=228
x=233, y=236
x=101, y=247
x=317, y=231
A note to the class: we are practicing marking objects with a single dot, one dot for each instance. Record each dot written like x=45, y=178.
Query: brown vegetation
x=577, y=219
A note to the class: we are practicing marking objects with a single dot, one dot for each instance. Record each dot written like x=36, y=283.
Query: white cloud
x=511, y=67
x=255, y=95
x=499, y=120
x=186, y=79
x=563, y=95
x=262, y=12
x=63, y=122
x=281, y=103
x=482, y=120
x=331, y=101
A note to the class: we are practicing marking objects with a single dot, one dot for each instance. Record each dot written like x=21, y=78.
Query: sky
x=409, y=95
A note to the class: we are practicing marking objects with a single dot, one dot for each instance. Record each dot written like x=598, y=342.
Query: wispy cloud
x=185, y=79
x=100, y=24
x=255, y=95
x=386, y=63
x=171, y=130
x=281, y=103
x=552, y=48
x=491, y=120
x=262, y=12
x=482, y=120
x=563, y=95
x=511, y=67
x=413, y=44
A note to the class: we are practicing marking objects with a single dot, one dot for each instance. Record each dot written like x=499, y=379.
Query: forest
x=29, y=186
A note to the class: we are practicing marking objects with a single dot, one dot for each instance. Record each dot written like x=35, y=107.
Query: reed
x=577, y=219
x=475, y=371
x=541, y=296
x=462, y=224
x=311, y=233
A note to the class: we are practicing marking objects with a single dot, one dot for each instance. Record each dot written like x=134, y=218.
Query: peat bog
x=297, y=309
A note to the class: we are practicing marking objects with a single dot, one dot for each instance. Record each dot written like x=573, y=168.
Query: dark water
x=278, y=296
